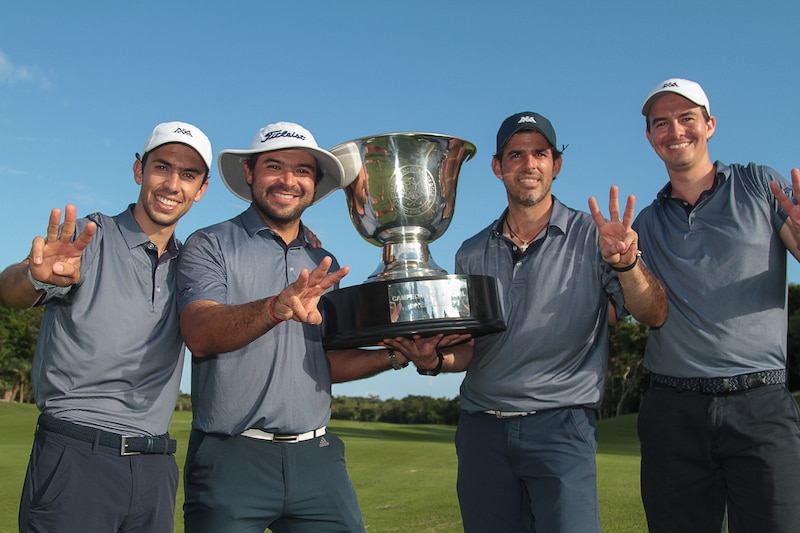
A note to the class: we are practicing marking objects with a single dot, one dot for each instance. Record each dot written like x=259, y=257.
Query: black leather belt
x=125, y=444
x=738, y=383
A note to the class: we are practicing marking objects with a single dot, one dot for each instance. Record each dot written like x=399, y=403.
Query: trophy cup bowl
x=401, y=196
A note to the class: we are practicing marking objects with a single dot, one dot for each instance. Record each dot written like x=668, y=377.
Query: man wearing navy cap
x=109, y=357
x=527, y=438
x=718, y=427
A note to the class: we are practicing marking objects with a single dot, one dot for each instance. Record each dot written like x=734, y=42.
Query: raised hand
x=56, y=259
x=792, y=209
x=299, y=300
x=619, y=244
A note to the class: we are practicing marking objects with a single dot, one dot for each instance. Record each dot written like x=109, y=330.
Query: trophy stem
x=405, y=255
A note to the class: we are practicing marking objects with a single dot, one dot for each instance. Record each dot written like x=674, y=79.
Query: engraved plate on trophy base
x=366, y=314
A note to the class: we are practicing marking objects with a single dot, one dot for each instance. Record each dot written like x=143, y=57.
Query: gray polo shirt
x=554, y=352
x=723, y=266
x=109, y=353
x=280, y=382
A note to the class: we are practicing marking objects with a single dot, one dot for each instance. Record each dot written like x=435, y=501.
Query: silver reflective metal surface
x=402, y=195
x=428, y=299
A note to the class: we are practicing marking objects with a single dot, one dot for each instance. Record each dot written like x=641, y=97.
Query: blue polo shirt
x=109, y=353
x=280, y=382
x=723, y=266
x=554, y=352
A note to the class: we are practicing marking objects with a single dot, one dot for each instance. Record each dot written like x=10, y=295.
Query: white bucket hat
x=280, y=136
x=180, y=132
x=690, y=90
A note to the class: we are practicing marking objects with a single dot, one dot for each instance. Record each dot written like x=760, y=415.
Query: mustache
x=285, y=189
x=531, y=172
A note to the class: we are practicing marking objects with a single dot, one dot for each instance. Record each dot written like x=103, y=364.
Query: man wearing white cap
x=109, y=357
x=718, y=427
x=259, y=453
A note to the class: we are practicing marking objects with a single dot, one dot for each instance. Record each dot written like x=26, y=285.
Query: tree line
x=19, y=330
x=626, y=381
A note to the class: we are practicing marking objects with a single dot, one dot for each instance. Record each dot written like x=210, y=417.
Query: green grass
x=404, y=475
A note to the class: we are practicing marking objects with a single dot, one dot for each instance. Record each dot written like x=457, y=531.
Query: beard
x=280, y=214
x=530, y=197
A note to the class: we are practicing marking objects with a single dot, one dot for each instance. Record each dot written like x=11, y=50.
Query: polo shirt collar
x=722, y=174
x=723, y=171
x=134, y=236
x=254, y=224
x=559, y=218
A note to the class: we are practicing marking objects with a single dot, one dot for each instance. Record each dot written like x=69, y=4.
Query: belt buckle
x=755, y=381
x=285, y=438
x=123, y=446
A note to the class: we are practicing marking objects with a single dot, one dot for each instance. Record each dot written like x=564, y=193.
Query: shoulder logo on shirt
x=323, y=442
x=527, y=119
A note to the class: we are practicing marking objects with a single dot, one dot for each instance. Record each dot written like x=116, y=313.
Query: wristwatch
x=434, y=371
x=395, y=363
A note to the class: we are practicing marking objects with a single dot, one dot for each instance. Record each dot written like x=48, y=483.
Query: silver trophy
x=401, y=197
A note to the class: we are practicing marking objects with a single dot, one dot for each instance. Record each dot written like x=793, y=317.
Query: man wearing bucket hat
x=109, y=357
x=527, y=439
x=718, y=427
x=259, y=454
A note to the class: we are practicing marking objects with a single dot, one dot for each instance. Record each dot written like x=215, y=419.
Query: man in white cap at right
x=718, y=426
x=259, y=453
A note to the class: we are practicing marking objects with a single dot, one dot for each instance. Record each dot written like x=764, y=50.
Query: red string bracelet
x=271, y=312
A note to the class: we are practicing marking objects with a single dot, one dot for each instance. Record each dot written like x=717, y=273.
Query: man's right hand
x=56, y=259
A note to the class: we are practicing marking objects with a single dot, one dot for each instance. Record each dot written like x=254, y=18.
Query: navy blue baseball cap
x=527, y=120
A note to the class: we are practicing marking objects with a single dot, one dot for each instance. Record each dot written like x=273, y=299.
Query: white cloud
x=11, y=74
x=9, y=171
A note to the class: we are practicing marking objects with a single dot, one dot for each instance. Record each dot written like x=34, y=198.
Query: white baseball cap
x=688, y=89
x=180, y=132
x=280, y=136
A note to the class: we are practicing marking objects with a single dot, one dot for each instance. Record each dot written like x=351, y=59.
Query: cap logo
x=669, y=84
x=183, y=132
x=281, y=133
x=525, y=119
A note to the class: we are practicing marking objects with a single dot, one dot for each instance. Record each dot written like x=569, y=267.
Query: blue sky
x=83, y=83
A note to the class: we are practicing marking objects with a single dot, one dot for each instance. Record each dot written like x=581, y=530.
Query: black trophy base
x=364, y=315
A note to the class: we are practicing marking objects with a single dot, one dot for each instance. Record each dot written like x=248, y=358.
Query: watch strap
x=434, y=371
x=393, y=359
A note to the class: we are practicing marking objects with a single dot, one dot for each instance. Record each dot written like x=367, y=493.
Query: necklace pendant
x=524, y=246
